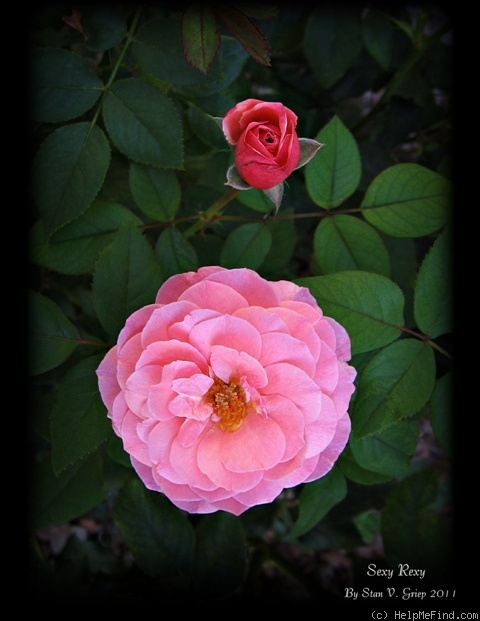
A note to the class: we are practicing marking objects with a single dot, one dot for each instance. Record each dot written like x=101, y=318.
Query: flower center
x=269, y=139
x=229, y=404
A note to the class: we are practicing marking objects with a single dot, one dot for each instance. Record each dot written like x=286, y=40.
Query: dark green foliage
x=128, y=179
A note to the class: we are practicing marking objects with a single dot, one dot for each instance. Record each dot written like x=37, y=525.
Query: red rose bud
x=267, y=148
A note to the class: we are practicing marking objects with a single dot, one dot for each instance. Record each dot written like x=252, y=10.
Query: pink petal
x=131, y=441
x=290, y=420
x=285, y=348
x=135, y=324
x=107, y=378
x=326, y=374
x=146, y=475
x=144, y=428
x=229, y=331
x=138, y=386
x=229, y=363
x=345, y=387
x=118, y=413
x=290, y=470
x=313, y=313
x=184, y=461
x=190, y=402
x=178, y=493
x=190, y=431
x=160, y=395
x=160, y=440
x=173, y=287
x=287, y=290
x=128, y=356
x=301, y=328
x=119, y=410
x=229, y=505
x=164, y=353
x=209, y=462
x=266, y=491
x=343, y=340
x=193, y=386
x=214, y=295
x=330, y=455
x=326, y=333
x=301, y=474
x=193, y=408
x=181, y=330
x=254, y=289
x=262, y=319
x=319, y=434
x=293, y=383
x=157, y=326
x=258, y=444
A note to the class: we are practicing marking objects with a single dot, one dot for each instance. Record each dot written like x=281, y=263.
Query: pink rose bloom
x=267, y=149
x=229, y=389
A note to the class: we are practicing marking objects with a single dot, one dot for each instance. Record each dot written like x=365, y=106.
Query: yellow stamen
x=229, y=404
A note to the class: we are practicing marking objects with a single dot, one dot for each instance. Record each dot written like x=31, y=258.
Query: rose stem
x=211, y=212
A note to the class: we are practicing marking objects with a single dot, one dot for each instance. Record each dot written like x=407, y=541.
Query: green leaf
x=378, y=37
x=388, y=452
x=206, y=128
x=368, y=524
x=256, y=200
x=441, y=411
x=103, y=25
x=68, y=171
x=334, y=174
x=246, y=246
x=159, y=536
x=59, y=499
x=200, y=36
x=156, y=192
x=433, y=301
x=220, y=560
x=158, y=50
x=396, y=383
x=407, y=200
x=403, y=260
x=353, y=471
x=144, y=124
x=317, y=498
x=116, y=451
x=74, y=248
x=412, y=531
x=226, y=67
x=345, y=242
x=369, y=306
x=243, y=29
x=333, y=41
x=127, y=277
x=63, y=85
x=175, y=254
x=52, y=335
x=231, y=57
x=284, y=239
x=78, y=420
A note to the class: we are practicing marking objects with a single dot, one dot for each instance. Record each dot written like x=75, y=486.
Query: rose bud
x=267, y=148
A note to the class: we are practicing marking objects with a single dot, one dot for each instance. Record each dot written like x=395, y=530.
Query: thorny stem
x=118, y=64
x=211, y=212
x=426, y=339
